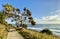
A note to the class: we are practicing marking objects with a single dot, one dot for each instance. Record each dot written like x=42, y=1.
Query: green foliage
x=47, y=31
x=10, y=24
x=8, y=7
x=24, y=26
x=2, y=17
x=13, y=12
x=33, y=22
x=24, y=9
x=28, y=12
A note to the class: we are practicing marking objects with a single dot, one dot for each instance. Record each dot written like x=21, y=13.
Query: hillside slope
x=29, y=34
x=3, y=31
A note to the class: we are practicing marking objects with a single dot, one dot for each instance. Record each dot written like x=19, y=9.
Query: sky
x=43, y=11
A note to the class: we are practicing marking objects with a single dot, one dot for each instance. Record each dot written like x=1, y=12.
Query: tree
x=8, y=9
x=28, y=14
x=17, y=16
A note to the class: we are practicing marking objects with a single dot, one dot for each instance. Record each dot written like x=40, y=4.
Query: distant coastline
x=55, y=28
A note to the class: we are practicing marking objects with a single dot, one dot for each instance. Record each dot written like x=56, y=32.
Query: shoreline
x=54, y=33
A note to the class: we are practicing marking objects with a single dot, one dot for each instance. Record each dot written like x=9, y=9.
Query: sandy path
x=13, y=34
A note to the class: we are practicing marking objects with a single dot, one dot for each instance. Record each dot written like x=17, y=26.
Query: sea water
x=55, y=28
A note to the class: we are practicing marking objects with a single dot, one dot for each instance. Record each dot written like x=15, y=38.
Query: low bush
x=47, y=31
x=24, y=26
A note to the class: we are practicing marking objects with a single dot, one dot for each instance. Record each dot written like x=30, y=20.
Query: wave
x=55, y=31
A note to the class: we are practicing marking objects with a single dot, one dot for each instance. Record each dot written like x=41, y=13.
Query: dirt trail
x=13, y=34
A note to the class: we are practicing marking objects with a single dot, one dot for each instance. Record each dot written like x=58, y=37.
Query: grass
x=3, y=31
x=29, y=34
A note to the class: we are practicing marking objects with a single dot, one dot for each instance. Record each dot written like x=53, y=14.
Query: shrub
x=47, y=31
x=24, y=26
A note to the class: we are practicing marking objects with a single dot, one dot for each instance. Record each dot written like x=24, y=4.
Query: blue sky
x=40, y=9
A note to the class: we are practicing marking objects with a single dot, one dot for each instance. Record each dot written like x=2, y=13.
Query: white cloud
x=52, y=19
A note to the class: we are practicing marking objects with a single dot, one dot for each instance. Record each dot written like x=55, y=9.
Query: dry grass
x=3, y=32
x=28, y=34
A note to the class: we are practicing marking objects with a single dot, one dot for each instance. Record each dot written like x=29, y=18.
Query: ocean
x=55, y=28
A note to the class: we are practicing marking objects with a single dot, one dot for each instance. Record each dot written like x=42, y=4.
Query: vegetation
x=29, y=34
x=14, y=13
x=11, y=12
x=3, y=31
x=47, y=31
x=24, y=26
x=8, y=12
x=3, y=26
x=2, y=17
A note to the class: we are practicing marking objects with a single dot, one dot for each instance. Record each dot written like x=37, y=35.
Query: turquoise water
x=55, y=28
